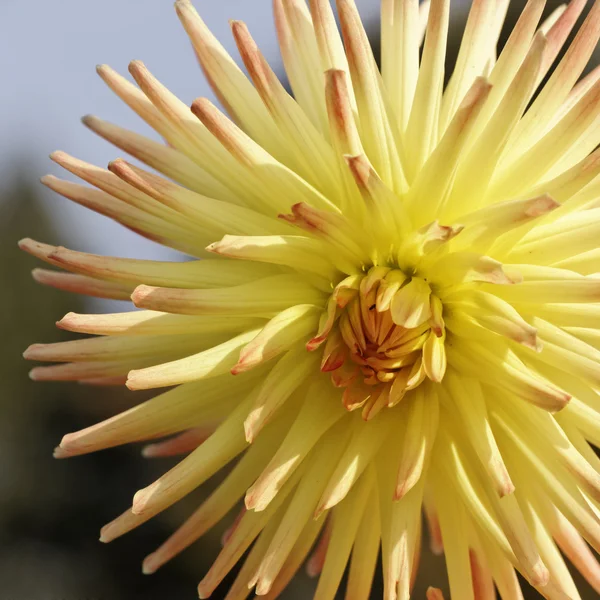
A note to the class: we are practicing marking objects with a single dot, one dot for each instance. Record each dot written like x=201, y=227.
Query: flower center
x=384, y=335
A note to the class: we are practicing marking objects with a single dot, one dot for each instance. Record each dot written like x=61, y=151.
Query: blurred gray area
x=51, y=511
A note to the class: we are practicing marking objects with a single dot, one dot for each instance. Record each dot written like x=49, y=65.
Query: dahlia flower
x=393, y=309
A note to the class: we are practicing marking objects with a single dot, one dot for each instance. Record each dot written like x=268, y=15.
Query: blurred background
x=51, y=511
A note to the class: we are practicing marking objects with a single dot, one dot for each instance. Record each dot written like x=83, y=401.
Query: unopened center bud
x=384, y=335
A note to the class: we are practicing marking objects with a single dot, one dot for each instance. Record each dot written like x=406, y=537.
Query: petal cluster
x=392, y=307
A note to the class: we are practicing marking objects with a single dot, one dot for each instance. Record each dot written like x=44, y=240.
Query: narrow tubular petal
x=512, y=522
x=456, y=550
x=274, y=179
x=475, y=417
x=376, y=130
x=206, y=364
x=183, y=443
x=230, y=85
x=484, y=226
x=431, y=187
x=576, y=550
x=346, y=522
x=167, y=160
x=221, y=447
x=420, y=432
x=162, y=415
x=223, y=499
x=400, y=53
x=190, y=136
x=559, y=489
x=477, y=168
x=301, y=548
x=543, y=155
x=260, y=297
x=562, y=79
x=422, y=128
x=511, y=375
x=80, y=284
x=114, y=348
x=249, y=527
x=301, y=57
x=283, y=331
x=499, y=316
x=331, y=48
x=295, y=251
x=291, y=370
x=365, y=552
x=304, y=434
x=363, y=446
x=472, y=56
x=311, y=155
x=301, y=506
x=129, y=271
x=148, y=322
x=214, y=215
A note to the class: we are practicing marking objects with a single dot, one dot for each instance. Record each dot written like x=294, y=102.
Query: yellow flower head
x=395, y=310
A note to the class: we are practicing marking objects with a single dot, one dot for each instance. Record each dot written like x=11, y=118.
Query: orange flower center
x=384, y=335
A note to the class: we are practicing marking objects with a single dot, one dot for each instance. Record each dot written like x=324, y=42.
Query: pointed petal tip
x=140, y=294
x=25, y=243
x=540, y=576
x=240, y=367
x=148, y=451
x=434, y=594
x=149, y=564
x=106, y=535
x=60, y=452
x=66, y=321
x=30, y=352
x=250, y=500
x=263, y=587
x=541, y=206
x=132, y=382
x=402, y=489
x=89, y=120
x=36, y=374
x=202, y=592
x=140, y=500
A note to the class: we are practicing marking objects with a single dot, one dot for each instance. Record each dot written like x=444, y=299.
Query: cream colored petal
x=346, y=521
x=475, y=48
x=224, y=498
x=468, y=400
x=365, y=552
x=80, y=284
x=308, y=152
x=377, y=126
x=229, y=83
x=422, y=422
x=400, y=54
x=167, y=160
x=261, y=297
x=316, y=416
x=422, y=128
x=206, y=364
x=300, y=53
x=320, y=464
x=292, y=370
x=298, y=252
x=280, y=334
